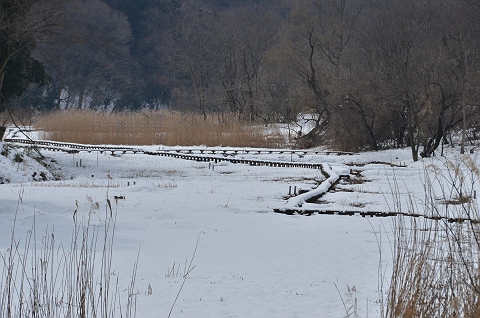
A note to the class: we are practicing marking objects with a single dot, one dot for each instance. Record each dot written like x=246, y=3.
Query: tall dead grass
x=436, y=270
x=40, y=278
x=155, y=127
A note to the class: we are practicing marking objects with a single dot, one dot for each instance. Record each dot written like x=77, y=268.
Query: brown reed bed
x=168, y=128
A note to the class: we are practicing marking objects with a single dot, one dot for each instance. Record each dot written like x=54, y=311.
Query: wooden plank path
x=75, y=147
x=181, y=153
x=201, y=155
x=251, y=162
x=233, y=151
x=309, y=212
x=69, y=147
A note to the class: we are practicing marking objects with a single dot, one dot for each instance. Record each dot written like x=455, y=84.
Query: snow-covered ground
x=250, y=261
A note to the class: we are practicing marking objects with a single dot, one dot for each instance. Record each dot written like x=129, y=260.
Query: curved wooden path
x=198, y=154
x=217, y=155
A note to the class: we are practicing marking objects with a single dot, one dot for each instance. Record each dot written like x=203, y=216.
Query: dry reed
x=436, y=270
x=155, y=127
x=40, y=278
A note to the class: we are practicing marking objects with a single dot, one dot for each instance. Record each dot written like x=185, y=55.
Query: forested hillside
x=370, y=73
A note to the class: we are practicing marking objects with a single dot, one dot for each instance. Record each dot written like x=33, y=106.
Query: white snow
x=250, y=261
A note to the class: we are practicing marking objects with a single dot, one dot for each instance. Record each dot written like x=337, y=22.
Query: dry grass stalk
x=55, y=280
x=152, y=128
x=436, y=270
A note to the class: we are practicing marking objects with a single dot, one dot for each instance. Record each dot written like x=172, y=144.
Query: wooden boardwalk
x=75, y=147
x=320, y=211
x=217, y=155
x=197, y=154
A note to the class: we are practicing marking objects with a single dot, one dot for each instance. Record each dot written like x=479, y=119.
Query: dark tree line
x=369, y=73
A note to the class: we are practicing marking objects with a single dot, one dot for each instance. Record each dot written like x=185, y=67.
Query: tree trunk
x=435, y=141
x=80, y=98
x=2, y=132
x=2, y=70
x=411, y=129
x=313, y=137
x=360, y=110
x=2, y=75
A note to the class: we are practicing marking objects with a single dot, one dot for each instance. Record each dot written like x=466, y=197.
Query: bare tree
x=417, y=53
x=89, y=60
x=398, y=41
x=320, y=31
x=244, y=36
x=191, y=58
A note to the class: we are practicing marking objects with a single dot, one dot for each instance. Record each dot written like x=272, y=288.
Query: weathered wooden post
x=2, y=132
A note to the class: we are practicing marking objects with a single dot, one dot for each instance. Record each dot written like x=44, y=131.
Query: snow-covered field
x=250, y=261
